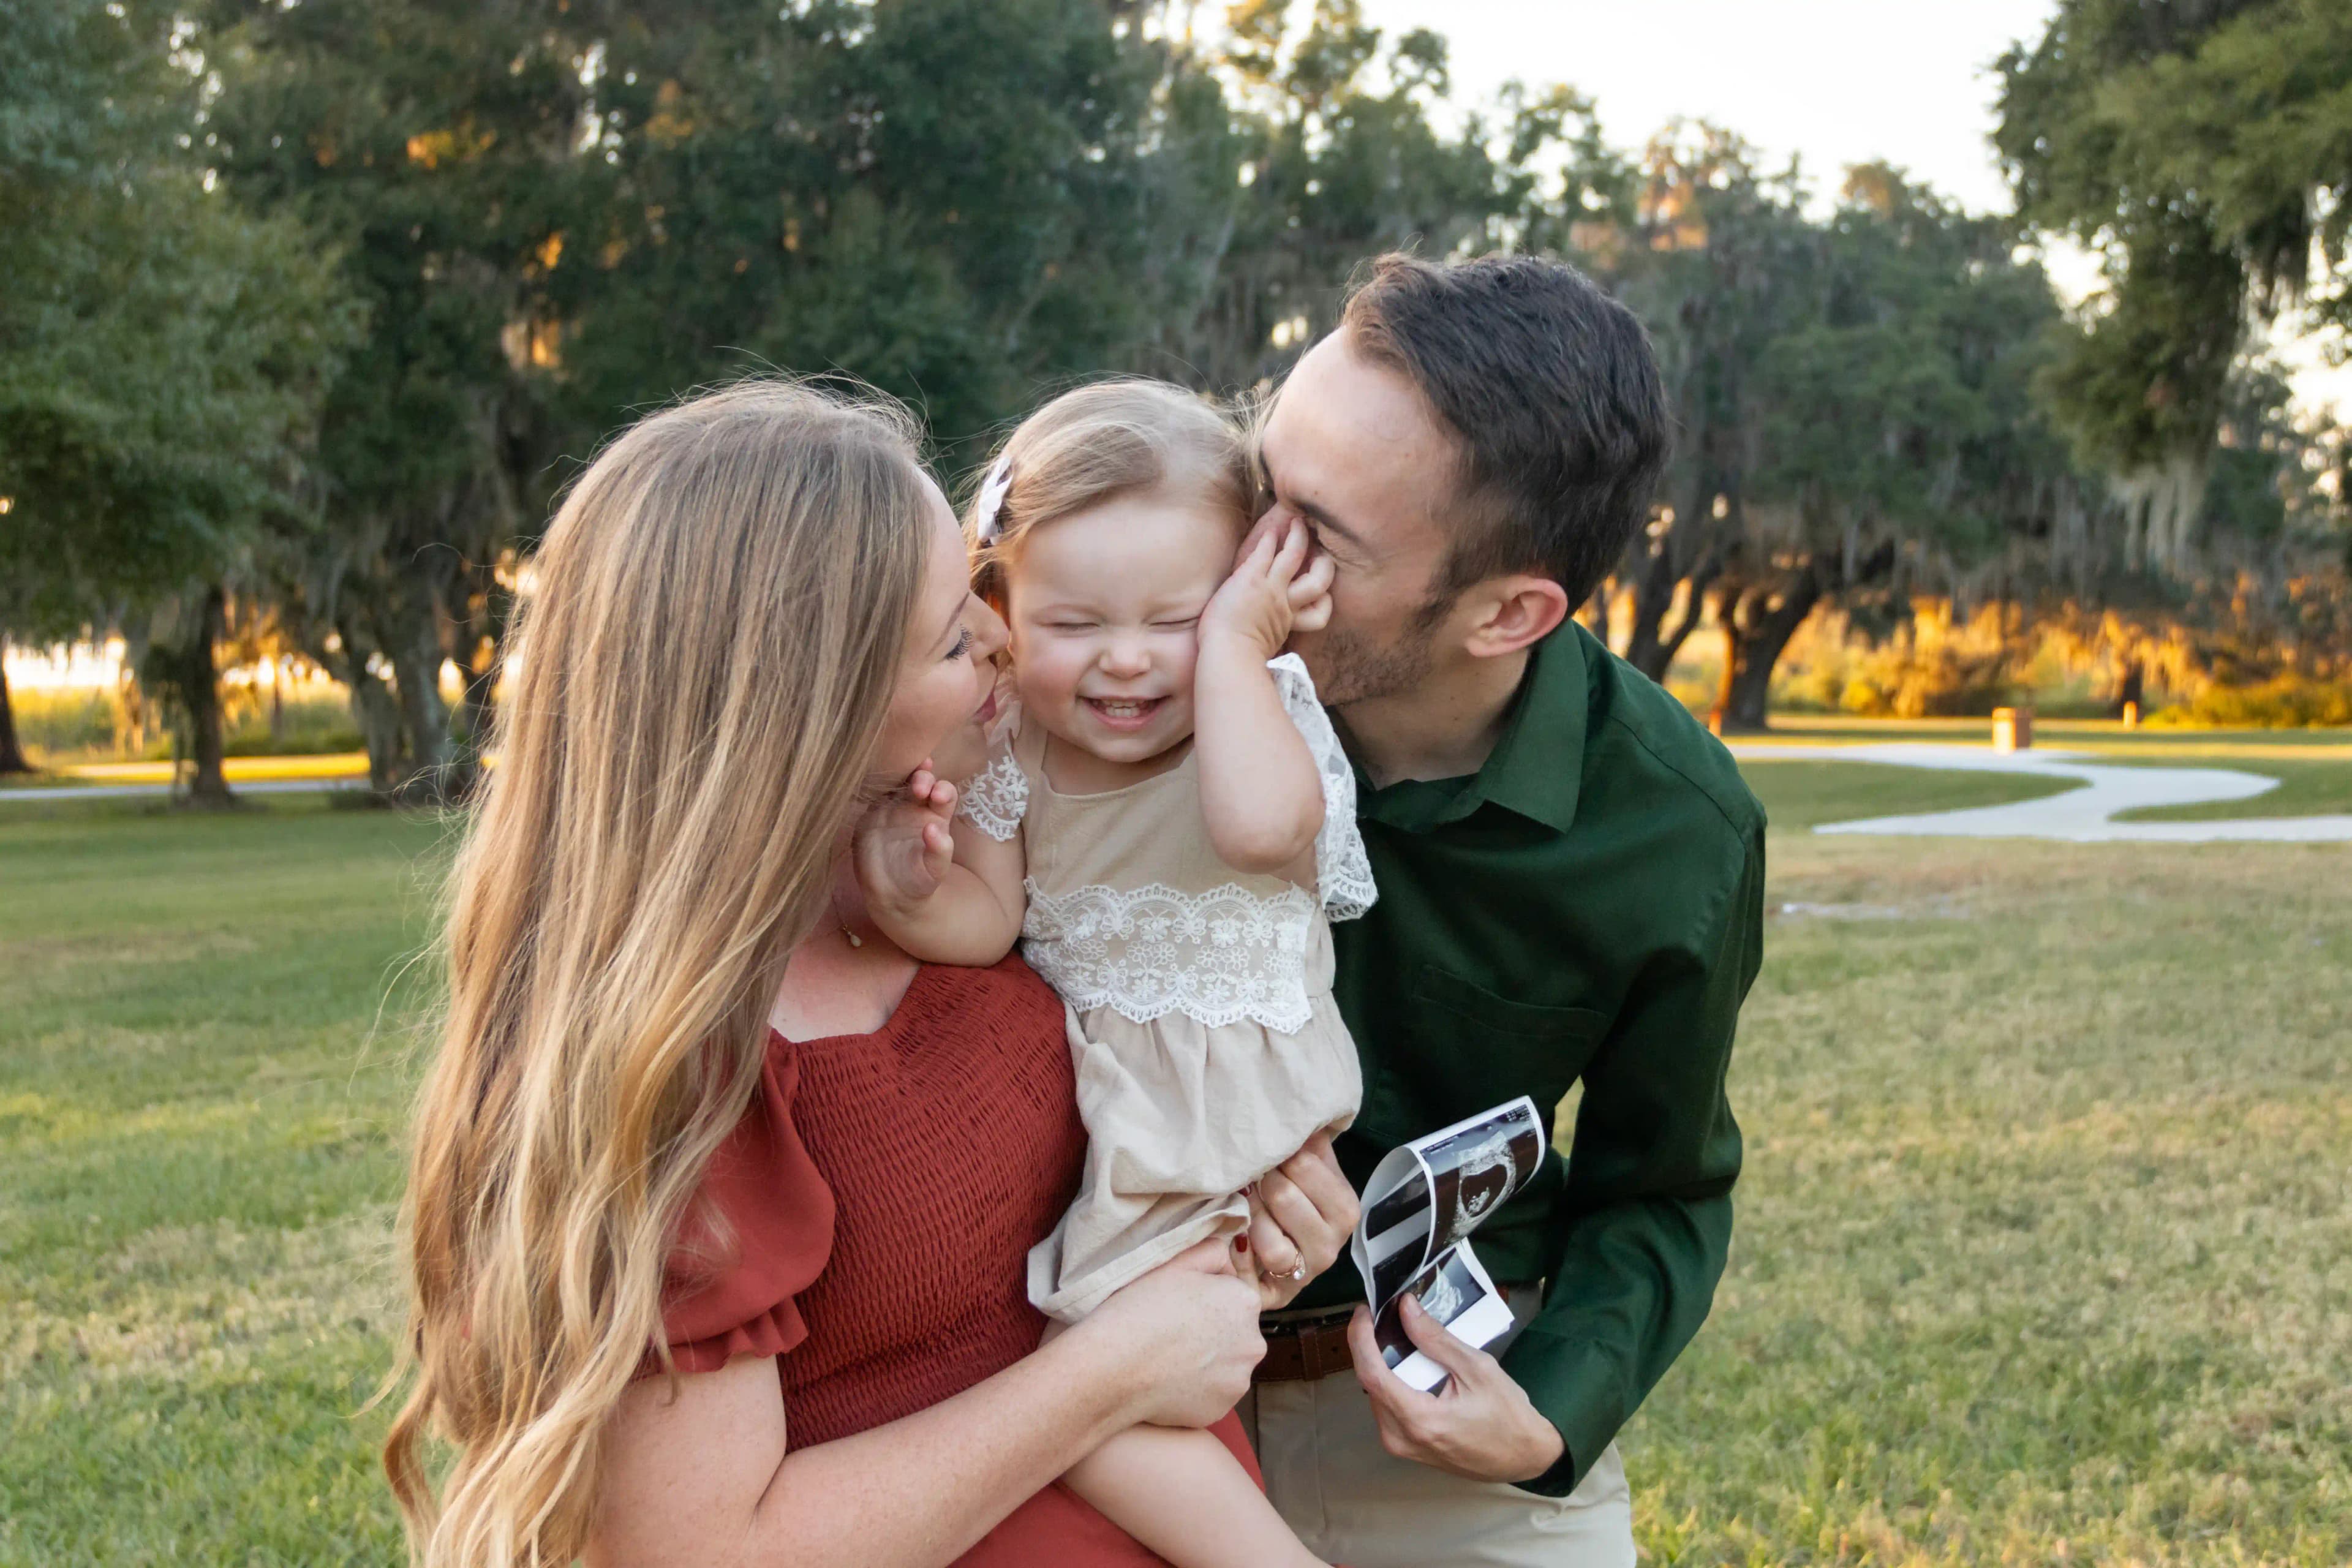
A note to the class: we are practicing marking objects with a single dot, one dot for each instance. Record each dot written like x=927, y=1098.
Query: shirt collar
x=1537, y=763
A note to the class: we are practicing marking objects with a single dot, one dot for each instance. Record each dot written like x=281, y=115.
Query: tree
x=2205, y=150
x=1715, y=257
x=1336, y=155
x=1898, y=433
x=160, y=349
x=564, y=211
x=438, y=148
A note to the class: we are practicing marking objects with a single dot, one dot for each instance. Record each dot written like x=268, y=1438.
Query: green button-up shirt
x=1589, y=906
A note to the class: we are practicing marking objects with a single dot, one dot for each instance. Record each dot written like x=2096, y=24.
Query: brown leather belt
x=1305, y=1349
x=1311, y=1346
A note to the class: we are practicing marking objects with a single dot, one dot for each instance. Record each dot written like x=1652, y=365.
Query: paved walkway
x=158, y=792
x=2082, y=815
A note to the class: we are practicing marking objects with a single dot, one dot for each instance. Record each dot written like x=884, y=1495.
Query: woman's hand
x=902, y=847
x=1190, y=1333
x=1301, y=1214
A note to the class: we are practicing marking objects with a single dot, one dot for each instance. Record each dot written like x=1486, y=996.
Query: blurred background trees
x=313, y=307
x=163, y=348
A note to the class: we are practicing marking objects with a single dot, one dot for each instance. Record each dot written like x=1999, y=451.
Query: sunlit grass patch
x=201, y=1094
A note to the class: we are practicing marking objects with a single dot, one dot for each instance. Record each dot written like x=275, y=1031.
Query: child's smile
x=1127, y=715
x=1106, y=608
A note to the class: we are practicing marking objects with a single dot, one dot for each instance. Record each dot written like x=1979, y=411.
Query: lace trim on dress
x=1343, y=871
x=1219, y=957
x=997, y=798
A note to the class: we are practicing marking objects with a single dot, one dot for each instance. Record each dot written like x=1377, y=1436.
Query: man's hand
x=1479, y=1425
x=1301, y=1214
x=902, y=846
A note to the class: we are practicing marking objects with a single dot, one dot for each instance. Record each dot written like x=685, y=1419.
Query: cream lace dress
x=1197, y=998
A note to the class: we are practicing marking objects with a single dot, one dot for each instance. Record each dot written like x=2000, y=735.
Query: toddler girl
x=1167, y=822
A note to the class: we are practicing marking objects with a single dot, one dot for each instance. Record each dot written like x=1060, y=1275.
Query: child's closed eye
x=964, y=642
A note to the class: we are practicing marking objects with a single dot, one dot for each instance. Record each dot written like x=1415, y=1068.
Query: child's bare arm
x=1184, y=1495
x=1259, y=787
x=939, y=887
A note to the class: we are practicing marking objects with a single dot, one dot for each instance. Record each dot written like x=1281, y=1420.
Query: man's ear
x=1516, y=613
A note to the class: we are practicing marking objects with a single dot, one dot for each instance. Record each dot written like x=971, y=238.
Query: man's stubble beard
x=1350, y=667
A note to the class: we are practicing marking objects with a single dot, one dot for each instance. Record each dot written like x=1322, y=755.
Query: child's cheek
x=1045, y=672
x=1185, y=654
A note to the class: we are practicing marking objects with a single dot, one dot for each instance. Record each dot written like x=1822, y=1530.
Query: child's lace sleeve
x=1343, y=873
x=996, y=798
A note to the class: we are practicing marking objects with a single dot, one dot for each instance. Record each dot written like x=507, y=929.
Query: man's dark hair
x=1552, y=391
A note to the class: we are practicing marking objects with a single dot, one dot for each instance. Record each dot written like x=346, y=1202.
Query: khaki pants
x=1352, y=1503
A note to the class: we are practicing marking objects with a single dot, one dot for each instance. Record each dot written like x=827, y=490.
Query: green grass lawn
x=2305, y=789
x=198, y=1118
x=2044, y=1254
x=1798, y=793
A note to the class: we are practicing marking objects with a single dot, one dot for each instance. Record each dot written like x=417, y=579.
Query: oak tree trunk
x=378, y=716
x=198, y=679
x=2130, y=689
x=12, y=754
x=1756, y=627
x=1646, y=647
x=482, y=641
x=417, y=672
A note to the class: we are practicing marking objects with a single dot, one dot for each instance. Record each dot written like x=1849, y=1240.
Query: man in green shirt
x=1571, y=878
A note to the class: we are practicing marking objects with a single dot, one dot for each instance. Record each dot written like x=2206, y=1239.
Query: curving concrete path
x=2082, y=815
x=37, y=792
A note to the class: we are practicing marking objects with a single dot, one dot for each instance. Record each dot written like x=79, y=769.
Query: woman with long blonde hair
x=718, y=1201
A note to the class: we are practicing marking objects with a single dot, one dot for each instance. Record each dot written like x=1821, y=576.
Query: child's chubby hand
x=1273, y=590
x=902, y=847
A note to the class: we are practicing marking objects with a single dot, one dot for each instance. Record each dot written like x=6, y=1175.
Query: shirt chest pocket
x=1464, y=1048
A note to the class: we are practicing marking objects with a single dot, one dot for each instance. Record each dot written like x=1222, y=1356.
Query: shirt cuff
x=1579, y=1387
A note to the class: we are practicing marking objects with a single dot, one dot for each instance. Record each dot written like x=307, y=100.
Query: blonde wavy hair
x=706, y=658
x=1125, y=436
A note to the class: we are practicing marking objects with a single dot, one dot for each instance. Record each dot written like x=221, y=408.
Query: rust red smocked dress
x=883, y=1195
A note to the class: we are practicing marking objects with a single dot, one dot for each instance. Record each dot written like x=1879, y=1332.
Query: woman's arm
x=1259, y=788
x=703, y=1479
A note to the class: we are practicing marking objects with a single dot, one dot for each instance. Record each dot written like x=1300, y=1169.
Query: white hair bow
x=992, y=491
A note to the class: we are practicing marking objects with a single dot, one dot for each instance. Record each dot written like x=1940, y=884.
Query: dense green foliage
x=2205, y=150
x=161, y=348
x=324, y=301
x=1853, y=396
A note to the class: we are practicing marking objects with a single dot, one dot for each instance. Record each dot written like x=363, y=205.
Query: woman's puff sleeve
x=755, y=1237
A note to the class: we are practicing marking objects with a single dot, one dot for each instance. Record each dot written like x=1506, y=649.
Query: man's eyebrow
x=1309, y=510
x=1324, y=519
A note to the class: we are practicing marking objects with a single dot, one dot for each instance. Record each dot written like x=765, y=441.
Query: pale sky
x=1833, y=82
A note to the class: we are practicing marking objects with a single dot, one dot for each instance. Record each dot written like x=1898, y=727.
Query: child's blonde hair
x=1100, y=441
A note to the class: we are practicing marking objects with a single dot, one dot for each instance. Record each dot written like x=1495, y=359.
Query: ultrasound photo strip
x=1453, y=1289
x=1423, y=1202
